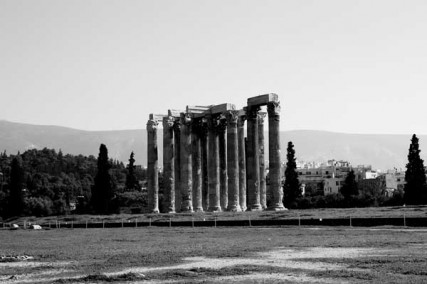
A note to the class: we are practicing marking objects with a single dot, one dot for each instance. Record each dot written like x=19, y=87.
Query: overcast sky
x=345, y=66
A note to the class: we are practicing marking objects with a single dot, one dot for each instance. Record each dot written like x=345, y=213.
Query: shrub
x=38, y=206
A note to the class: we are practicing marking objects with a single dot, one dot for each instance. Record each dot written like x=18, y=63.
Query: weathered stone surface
x=169, y=164
x=197, y=130
x=222, y=108
x=276, y=189
x=253, y=159
x=262, y=100
x=223, y=163
x=205, y=184
x=233, y=162
x=177, y=140
x=174, y=113
x=198, y=111
x=242, y=161
x=152, y=167
x=261, y=145
x=213, y=164
x=186, y=164
x=156, y=117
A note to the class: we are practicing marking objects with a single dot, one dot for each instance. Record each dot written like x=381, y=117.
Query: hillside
x=381, y=151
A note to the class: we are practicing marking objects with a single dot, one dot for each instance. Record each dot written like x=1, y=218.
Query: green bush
x=38, y=206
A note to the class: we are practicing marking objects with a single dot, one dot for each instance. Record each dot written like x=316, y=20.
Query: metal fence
x=217, y=222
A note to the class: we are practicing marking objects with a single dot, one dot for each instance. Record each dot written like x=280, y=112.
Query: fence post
x=170, y=222
x=215, y=221
x=103, y=224
x=351, y=225
x=150, y=221
x=404, y=219
x=72, y=224
x=136, y=223
x=299, y=220
x=192, y=222
x=250, y=224
x=86, y=224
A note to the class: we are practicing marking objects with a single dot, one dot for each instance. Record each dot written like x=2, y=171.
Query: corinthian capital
x=261, y=116
x=177, y=126
x=185, y=119
x=152, y=125
x=241, y=121
x=212, y=122
x=168, y=122
x=252, y=112
x=232, y=116
x=273, y=108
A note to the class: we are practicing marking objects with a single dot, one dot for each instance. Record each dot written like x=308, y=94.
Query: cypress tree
x=17, y=180
x=350, y=186
x=415, y=177
x=291, y=188
x=102, y=191
x=131, y=182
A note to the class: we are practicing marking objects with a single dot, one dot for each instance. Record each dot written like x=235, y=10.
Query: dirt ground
x=390, y=255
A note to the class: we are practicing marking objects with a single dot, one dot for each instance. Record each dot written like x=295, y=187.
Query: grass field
x=216, y=255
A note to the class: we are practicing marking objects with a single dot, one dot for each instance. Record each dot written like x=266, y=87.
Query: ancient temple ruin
x=208, y=165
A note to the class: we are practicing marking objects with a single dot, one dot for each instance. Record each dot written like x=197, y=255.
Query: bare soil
x=216, y=255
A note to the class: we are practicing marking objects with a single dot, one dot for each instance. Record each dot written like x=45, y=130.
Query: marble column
x=233, y=162
x=253, y=159
x=205, y=184
x=223, y=163
x=186, y=164
x=273, y=109
x=242, y=161
x=152, y=167
x=177, y=151
x=197, y=129
x=261, y=145
x=213, y=164
x=168, y=165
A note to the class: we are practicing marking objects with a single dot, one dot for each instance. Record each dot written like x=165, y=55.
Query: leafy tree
x=102, y=193
x=415, y=177
x=131, y=181
x=350, y=186
x=17, y=180
x=291, y=188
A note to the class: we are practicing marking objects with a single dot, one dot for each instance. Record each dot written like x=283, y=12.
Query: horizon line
x=281, y=130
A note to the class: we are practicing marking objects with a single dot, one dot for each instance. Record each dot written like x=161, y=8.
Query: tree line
x=45, y=182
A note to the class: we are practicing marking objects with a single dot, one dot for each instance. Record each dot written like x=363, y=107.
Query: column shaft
x=233, y=162
x=186, y=165
x=205, y=179
x=177, y=138
x=152, y=167
x=223, y=164
x=262, y=182
x=213, y=165
x=276, y=189
x=242, y=162
x=168, y=165
x=197, y=165
x=253, y=159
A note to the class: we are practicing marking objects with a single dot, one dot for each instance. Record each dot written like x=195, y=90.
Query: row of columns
x=205, y=158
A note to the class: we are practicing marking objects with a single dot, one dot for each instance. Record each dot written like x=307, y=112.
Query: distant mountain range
x=380, y=151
